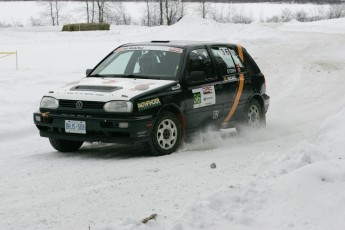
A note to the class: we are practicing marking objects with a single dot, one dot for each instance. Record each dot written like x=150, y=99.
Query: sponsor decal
x=207, y=89
x=232, y=78
x=225, y=51
x=149, y=104
x=238, y=68
x=204, y=96
x=176, y=50
x=215, y=114
x=142, y=87
x=119, y=50
x=142, y=133
x=160, y=48
x=230, y=71
x=109, y=82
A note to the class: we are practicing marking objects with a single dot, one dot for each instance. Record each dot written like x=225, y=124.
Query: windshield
x=160, y=62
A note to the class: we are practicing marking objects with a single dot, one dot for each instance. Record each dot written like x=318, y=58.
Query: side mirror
x=88, y=71
x=196, y=76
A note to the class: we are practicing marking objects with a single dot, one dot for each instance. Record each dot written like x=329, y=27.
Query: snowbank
x=300, y=188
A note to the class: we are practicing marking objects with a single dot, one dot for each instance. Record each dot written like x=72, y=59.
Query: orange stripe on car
x=237, y=99
x=239, y=90
x=240, y=52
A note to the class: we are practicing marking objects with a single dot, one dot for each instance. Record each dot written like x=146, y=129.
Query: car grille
x=86, y=104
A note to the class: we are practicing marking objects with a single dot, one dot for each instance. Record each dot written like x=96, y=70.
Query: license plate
x=75, y=126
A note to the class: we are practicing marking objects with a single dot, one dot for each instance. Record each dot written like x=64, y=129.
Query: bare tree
x=120, y=15
x=57, y=11
x=182, y=8
x=172, y=10
x=52, y=14
x=90, y=11
x=203, y=9
x=52, y=11
x=100, y=5
x=161, y=12
x=287, y=15
x=336, y=11
x=301, y=16
x=151, y=15
x=148, y=12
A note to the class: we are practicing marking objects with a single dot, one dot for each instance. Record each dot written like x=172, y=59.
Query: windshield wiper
x=97, y=75
x=140, y=76
x=105, y=76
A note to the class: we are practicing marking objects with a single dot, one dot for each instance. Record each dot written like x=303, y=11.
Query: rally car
x=156, y=93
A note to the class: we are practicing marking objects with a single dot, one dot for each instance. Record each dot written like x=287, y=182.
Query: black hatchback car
x=157, y=93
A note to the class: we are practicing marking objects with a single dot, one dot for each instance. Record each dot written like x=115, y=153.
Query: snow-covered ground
x=289, y=176
x=27, y=13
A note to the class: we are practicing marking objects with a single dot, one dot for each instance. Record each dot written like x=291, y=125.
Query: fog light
x=38, y=118
x=123, y=125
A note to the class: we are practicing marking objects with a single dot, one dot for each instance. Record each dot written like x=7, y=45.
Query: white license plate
x=75, y=126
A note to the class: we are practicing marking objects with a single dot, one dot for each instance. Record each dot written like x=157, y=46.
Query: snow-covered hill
x=289, y=176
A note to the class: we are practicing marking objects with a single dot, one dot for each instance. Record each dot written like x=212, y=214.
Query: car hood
x=107, y=89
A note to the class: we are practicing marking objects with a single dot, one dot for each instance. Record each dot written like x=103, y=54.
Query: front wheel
x=254, y=117
x=166, y=135
x=65, y=145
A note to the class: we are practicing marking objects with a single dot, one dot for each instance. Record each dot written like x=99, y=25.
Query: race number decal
x=204, y=96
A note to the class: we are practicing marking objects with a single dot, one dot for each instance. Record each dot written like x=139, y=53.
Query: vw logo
x=79, y=105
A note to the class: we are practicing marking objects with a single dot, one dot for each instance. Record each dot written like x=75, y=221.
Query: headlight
x=49, y=103
x=119, y=106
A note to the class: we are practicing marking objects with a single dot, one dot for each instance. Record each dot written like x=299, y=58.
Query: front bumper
x=98, y=129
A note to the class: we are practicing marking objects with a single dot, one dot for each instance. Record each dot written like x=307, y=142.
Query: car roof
x=176, y=43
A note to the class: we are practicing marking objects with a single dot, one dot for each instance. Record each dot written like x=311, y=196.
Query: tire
x=254, y=117
x=65, y=145
x=166, y=135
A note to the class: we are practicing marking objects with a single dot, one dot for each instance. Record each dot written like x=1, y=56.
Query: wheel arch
x=259, y=98
x=175, y=109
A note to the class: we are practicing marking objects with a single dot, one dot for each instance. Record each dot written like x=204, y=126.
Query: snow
x=289, y=176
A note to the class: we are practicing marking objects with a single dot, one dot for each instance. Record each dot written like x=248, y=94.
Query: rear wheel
x=65, y=145
x=166, y=135
x=254, y=117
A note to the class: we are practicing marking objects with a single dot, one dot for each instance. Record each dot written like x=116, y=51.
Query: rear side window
x=199, y=60
x=236, y=58
x=224, y=61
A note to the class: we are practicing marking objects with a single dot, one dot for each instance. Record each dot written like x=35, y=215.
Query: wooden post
x=16, y=59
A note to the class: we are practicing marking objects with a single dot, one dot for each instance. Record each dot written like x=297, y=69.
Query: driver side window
x=200, y=66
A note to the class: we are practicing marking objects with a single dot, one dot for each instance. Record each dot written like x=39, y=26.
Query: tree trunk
x=57, y=12
x=167, y=12
x=148, y=12
x=52, y=13
x=93, y=12
x=161, y=11
x=87, y=11
x=100, y=4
